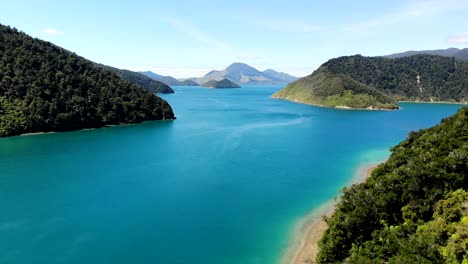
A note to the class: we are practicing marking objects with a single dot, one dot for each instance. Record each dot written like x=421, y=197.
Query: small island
x=189, y=83
x=224, y=83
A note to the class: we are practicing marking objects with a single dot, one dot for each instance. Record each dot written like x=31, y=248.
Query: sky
x=190, y=38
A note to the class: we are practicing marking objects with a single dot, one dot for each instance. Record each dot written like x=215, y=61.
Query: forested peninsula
x=379, y=83
x=412, y=209
x=46, y=88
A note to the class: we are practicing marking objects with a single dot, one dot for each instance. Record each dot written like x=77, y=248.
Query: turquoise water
x=223, y=184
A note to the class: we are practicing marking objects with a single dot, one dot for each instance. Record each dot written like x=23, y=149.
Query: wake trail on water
x=234, y=138
x=224, y=104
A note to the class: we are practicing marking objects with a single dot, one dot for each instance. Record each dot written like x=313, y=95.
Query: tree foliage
x=413, y=208
x=46, y=88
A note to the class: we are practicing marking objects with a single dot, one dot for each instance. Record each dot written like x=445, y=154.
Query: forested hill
x=376, y=82
x=413, y=208
x=139, y=79
x=46, y=88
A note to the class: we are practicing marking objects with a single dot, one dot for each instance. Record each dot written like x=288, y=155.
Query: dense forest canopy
x=376, y=82
x=413, y=208
x=46, y=88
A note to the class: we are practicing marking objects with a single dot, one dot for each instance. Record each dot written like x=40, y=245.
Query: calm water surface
x=223, y=184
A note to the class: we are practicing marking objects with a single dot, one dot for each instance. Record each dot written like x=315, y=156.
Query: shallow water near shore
x=225, y=183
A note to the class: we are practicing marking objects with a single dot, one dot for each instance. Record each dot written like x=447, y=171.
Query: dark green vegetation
x=46, y=88
x=413, y=208
x=139, y=79
x=451, y=52
x=224, y=83
x=378, y=83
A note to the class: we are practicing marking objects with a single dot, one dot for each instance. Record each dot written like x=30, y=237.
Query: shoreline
x=86, y=129
x=434, y=102
x=340, y=107
x=303, y=247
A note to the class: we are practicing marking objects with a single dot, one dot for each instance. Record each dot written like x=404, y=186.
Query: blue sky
x=189, y=38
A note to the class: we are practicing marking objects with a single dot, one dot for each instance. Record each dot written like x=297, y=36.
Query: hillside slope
x=46, y=88
x=413, y=208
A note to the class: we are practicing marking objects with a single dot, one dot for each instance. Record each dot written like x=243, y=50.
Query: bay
x=225, y=183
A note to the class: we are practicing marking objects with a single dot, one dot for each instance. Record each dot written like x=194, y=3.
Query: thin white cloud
x=193, y=31
x=51, y=32
x=411, y=11
x=249, y=58
x=459, y=39
x=287, y=26
x=175, y=71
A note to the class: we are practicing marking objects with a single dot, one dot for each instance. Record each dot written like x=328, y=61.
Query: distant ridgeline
x=413, y=208
x=378, y=83
x=168, y=79
x=237, y=72
x=46, y=88
x=139, y=79
x=224, y=83
x=450, y=52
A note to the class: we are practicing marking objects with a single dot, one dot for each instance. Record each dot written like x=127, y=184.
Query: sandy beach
x=304, y=247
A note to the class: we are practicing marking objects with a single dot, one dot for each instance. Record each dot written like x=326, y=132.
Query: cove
x=225, y=183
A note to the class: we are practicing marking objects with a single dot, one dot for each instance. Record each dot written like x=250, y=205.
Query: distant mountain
x=245, y=74
x=463, y=54
x=378, y=83
x=139, y=79
x=165, y=79
x=280, y=75
x=224, y=83
x=450, y=52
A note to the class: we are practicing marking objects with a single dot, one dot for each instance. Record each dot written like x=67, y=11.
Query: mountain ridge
x=237, y=72
x=171, y=81
x=139, y=79
x=243, y=73
x=450, y=52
